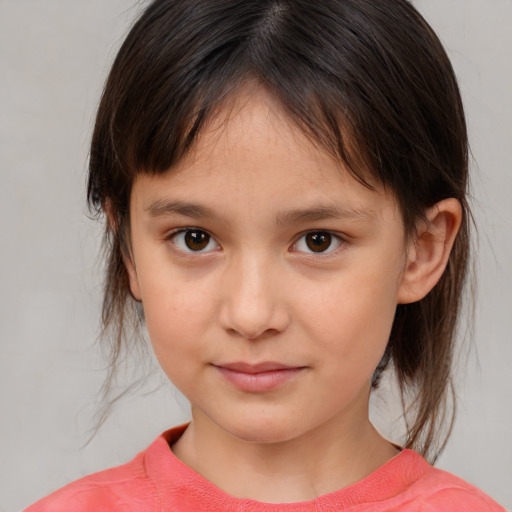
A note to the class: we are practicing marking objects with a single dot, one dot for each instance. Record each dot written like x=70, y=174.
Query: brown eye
x=317, y=242
x=194, y=240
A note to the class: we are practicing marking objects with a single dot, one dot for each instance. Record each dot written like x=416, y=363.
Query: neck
x=319, y=461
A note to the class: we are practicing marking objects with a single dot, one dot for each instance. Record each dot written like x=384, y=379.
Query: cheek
x=177, y=337
x=351, y=315
x=177, y=314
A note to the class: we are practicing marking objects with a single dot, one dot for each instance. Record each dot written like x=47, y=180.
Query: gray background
x=54, y=55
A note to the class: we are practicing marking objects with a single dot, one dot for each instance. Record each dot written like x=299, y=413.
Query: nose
x=253, y=307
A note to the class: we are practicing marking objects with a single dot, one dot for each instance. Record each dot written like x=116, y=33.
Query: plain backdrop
x=54, y=56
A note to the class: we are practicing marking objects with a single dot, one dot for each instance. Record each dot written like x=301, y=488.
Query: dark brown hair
x=367, y=80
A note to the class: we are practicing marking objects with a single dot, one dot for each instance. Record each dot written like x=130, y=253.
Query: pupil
x=196, y=240
x=318, y=242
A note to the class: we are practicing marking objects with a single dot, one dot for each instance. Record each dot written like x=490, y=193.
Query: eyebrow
x=163, y=208
x=334, y=212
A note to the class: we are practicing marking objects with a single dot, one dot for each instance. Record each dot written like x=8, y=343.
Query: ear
x=125, y=248
x=132, y=276
x=429, y=250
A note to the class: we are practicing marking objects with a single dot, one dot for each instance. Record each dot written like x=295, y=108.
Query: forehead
x=251, y=155
x=254, y=121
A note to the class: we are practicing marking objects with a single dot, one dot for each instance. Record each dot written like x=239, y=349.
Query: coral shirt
x=155, y=480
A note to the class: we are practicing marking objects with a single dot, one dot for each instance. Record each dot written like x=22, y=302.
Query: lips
x=260, y=377
x=256, y=368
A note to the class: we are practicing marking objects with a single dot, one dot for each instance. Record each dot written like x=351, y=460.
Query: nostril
x=252, y=335
x=268, y=333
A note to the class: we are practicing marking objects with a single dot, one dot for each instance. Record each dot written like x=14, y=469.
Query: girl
x=284, y=184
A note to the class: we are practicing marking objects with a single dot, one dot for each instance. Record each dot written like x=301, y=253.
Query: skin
x=258, y=293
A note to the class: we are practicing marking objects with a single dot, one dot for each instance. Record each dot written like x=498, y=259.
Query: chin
x=263, y=431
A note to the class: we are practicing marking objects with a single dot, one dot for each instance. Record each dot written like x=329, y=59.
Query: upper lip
x=266, y=366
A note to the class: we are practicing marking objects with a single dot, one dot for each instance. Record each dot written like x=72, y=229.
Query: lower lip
x=259, y=382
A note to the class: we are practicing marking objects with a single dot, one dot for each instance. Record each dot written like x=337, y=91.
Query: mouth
x=260, y=377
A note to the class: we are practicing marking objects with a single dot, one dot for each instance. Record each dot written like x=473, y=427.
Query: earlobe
x=429, y=250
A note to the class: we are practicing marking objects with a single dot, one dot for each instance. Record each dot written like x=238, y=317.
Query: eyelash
x=174, y=234
x=335, y=239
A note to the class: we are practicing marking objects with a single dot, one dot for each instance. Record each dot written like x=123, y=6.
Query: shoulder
x=440, y=491
x=126, y=488
x=111, y=489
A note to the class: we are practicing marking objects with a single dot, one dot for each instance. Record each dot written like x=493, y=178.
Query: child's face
x=269, y=277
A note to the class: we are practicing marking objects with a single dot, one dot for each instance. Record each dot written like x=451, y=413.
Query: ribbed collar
x=176, y=483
